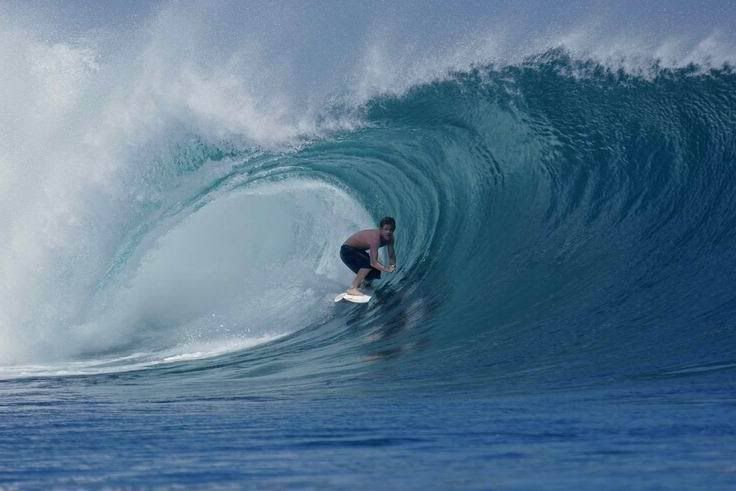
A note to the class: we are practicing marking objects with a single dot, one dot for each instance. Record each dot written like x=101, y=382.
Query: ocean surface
x=176, y=182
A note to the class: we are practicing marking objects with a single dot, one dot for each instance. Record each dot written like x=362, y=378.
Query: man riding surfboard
x=364, y=264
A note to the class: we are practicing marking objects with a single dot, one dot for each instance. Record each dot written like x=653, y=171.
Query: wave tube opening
x=251, y=266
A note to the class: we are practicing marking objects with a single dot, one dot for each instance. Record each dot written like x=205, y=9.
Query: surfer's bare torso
x=365, y=239
x=371, y=240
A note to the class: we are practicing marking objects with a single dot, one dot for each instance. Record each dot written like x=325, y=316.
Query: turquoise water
x=562, y=314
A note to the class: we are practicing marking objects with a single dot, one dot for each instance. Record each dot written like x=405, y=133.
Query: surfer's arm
x=391, y=254
x=374, y=259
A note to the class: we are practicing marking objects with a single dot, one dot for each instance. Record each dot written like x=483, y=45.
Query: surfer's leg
x=362, y=273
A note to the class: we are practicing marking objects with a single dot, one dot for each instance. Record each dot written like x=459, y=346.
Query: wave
x=561, y=220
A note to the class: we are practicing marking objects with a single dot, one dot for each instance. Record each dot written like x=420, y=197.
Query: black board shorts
x=356, y=259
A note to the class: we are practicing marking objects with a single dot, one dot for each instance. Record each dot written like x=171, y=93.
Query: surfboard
x=352, y=298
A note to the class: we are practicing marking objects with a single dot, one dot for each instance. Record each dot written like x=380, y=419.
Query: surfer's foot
x=354, y=291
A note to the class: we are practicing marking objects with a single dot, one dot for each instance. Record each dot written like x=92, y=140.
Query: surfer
x=365, y=264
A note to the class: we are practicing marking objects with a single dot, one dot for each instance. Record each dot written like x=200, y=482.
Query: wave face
x=558, y=222
x=561, y=220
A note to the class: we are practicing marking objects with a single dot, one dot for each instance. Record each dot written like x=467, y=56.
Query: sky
x=438, y=16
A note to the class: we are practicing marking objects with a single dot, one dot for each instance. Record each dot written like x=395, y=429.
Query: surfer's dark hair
x=388, y=221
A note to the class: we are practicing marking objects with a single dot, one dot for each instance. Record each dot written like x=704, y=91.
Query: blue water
x=562, y=316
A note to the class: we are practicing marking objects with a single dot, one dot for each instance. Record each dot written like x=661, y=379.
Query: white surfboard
x=352, y=298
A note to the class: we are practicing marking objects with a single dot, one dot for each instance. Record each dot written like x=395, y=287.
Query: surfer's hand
x=391, y=268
